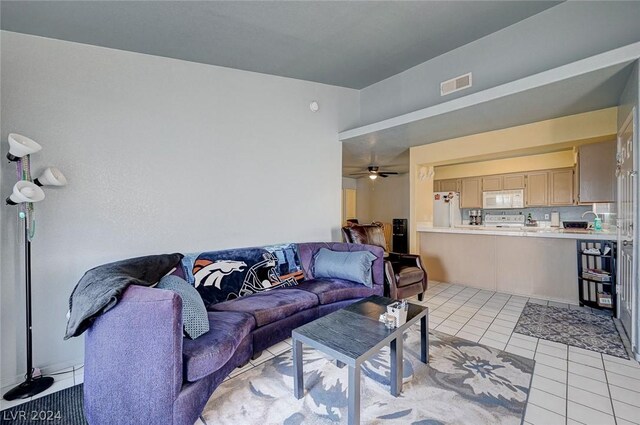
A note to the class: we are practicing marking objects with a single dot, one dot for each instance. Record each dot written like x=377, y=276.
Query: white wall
x=560, y=35
x=383, y=199
x=161, y=156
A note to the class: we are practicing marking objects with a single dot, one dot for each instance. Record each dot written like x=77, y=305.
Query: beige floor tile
x=548, y=401
x=626, y=411
x=587, y=415
x=520, y=351
x=552, y=361
x=592, y=400
x=593, y=361
x=550, y=373
x=625, y=395
x=536, y=415
x=623, y=381
x=550, y=350
x=588, y=371
x=549, y=385
x=592, y=385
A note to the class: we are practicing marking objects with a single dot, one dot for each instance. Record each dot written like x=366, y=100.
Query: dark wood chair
x=405, y=276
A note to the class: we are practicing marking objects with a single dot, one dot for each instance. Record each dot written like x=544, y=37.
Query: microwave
x=503, y=199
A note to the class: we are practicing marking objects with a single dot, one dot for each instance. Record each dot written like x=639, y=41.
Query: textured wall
x=161, y=155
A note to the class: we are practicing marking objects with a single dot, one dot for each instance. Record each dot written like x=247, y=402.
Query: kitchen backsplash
x=606, y=212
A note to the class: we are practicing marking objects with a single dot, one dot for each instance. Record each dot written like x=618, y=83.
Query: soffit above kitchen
x=348, y=44
x=587, y=85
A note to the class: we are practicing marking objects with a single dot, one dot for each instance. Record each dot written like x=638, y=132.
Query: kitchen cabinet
x=491, y=183
x=597, y=172
x=450, y=185
x=471, y=193
x=561, y=187
x=513, y=181
x=436, y=186
x=537, y=189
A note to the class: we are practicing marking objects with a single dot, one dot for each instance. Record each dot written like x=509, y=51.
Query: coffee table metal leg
x=424, y=339
x=354, y=395
x=298, y=387
x=396, y=366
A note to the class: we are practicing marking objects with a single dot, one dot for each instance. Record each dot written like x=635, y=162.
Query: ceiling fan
x=374, y=172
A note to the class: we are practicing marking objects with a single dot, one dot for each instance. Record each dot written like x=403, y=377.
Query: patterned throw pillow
x=194, y=314
x=225, y=275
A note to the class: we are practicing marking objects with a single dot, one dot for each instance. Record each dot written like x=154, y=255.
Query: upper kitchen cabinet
x=597, y=172
x=561, y=187
x=503, y=182
x=471, y=193
x=513, y=181
x=449, y=185
x=537, y=189
x=491, y=183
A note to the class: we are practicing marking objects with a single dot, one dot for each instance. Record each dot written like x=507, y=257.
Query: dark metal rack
x=588, y=288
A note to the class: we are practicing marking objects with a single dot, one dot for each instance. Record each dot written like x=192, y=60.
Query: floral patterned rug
x=464, y=383
x=581, y=329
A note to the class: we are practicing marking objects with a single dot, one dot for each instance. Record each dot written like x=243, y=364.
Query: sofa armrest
x=133, y=359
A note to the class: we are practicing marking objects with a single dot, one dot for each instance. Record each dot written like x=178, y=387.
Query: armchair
x=405, y=276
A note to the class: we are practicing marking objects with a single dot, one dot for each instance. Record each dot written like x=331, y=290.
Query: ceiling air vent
x=455, y=84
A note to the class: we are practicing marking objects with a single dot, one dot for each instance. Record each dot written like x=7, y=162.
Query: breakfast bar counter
x=539, y=264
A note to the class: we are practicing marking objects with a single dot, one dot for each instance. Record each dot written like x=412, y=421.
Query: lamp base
x=29, y=388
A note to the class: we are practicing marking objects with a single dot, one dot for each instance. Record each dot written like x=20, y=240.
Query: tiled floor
x=570, y=386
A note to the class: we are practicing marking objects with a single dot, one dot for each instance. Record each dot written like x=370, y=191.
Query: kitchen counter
x=532, y=262
x=530, y=232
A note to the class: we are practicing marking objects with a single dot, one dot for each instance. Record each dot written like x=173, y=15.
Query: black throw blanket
x=101, y=287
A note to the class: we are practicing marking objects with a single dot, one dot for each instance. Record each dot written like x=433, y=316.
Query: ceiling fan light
x=373, y=176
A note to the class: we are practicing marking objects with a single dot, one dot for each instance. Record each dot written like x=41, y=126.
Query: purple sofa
x=140, y=370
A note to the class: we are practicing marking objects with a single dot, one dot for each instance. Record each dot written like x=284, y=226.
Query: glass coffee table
x=352, y=335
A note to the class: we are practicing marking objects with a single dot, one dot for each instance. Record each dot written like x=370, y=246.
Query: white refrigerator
x=446, y=209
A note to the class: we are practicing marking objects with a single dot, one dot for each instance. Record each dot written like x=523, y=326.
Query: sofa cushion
x=268, y=307
x=205, y=355
x=330, y=291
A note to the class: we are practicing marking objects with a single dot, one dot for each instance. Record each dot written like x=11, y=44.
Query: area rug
x=573, y=327
x=63, y=407
x=464, y=383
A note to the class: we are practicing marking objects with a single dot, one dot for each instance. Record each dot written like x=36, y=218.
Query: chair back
x=368, y=234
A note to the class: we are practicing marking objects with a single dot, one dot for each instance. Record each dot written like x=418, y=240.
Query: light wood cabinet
x=491, y=183
x=513, y=181
x=561, y=187
x=537, y=189
x=450, y=185
x=597, y=172
x=436, y=186
x=471, y=193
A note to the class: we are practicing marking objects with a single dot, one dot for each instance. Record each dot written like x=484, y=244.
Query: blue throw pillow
x=354, y=266
x=194, y=315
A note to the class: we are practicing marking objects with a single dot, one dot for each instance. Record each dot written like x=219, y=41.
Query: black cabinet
x=597, y=274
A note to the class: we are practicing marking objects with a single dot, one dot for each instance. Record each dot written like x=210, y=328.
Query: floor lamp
x=25, y=193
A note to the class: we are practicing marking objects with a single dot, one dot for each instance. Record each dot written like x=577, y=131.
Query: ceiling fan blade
x=359, y=174
x=383, y=175
x=388, y=172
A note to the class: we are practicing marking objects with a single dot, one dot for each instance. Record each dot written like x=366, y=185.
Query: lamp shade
x=20, y=146
x=51, y=176
x=25, y=191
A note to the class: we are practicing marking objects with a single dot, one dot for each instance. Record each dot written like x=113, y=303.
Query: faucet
x=589, y=212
